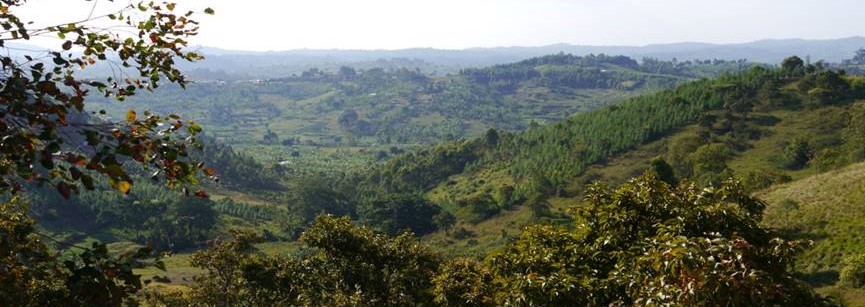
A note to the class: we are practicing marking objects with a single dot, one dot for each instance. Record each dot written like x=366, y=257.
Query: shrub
x=853, y=273
x=796, y=154
x=463, y=282
x=760, y=179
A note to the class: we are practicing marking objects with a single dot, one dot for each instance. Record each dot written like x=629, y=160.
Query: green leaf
x=92, y=137
x=59, y=60
x=87, y=181
x=194, y=128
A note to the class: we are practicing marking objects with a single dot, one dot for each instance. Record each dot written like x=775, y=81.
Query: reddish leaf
x=64, y=190
x=201, y=194
x=209, y=171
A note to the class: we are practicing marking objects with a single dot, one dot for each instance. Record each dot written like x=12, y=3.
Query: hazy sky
x=454, y=24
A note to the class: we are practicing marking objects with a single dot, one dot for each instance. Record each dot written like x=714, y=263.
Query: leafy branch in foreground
x=47, y=136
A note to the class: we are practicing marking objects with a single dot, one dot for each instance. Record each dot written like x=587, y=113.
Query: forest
x=555, y=180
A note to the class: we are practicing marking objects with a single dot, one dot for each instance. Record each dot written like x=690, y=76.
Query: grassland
x=760, y=155
x=828, y=208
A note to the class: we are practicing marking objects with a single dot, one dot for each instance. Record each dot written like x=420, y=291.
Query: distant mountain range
x=222, y=64
x=278, y=63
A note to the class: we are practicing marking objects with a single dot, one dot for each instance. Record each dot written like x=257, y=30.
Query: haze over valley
x=386, y=153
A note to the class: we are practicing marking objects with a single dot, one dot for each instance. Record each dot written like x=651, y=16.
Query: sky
x=264, y=25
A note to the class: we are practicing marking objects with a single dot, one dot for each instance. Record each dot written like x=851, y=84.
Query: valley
x=481, y=190
x=508, y=153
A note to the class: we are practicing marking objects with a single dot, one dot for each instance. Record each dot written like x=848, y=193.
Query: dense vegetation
x=684, y=233
x=292, y=187
x=543, y=161
x=643, y=243
x=48, y=140
x=353, y=106
x=528, y=169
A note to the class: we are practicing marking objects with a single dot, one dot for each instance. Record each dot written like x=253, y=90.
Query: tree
x=737, y=100
x=663, y=170
x=769, y=96
x=31, y=274
x=643, y=240
x=492, y=137
x=395, y=213
x=462, y=282
x=311, y=196
x=347, y=73
x=347, y=265
x=394, y=271
x=348, y=119
x=539, y=206
x=270, y=137
x=859, y=58
x=49, y=138
x=224, y=262
x=444, y=220
x=191, y=221
x=646, y=243
x=708, y=163
x=796, y=154
x=793, y=65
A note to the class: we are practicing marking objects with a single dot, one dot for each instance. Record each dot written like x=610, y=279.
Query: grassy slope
x=488, y=234
x=830, y=205
x=830, y=209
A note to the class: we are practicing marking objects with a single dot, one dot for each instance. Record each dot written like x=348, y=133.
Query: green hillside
x=784, y=132
x=473, y=196
x=828, y=208
x=797, y=137
x=675, y=174
x=348, y=106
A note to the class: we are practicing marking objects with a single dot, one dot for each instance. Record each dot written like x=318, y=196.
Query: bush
x=796, y=154
x=708, y=163
x=827, y=159
x=394, y=213
x=463, y=282
x=461, y=233
x=853, y=273
x=760, y=179
x=647, y=243
x=482, y=206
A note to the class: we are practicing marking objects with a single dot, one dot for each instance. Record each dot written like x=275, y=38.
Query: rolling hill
x=351, y=107
x=785, y=135
x=274, y=64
